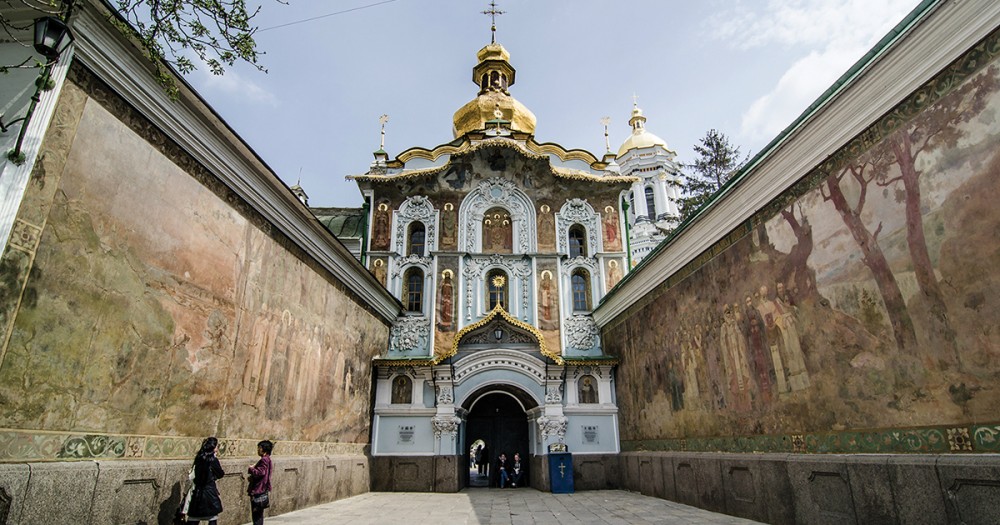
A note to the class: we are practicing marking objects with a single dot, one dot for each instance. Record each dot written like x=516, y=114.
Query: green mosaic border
x=26, y=445
x=978, y=58
x=928, y=440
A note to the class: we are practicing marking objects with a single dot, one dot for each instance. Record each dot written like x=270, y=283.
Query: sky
x=747, y=68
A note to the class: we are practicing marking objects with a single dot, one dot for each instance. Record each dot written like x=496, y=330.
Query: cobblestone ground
x=493, y=506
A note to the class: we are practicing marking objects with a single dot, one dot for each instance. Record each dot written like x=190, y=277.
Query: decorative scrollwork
x=553, y=394
x=416, y=208
x=497, y=191
x=445, y=425
x=552, y=426
x=445, y=395
x=577, y=211
x=409, y=334
x=581, y=332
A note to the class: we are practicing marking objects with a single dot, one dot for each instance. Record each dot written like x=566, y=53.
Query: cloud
x=831, y=34
x=234, y=84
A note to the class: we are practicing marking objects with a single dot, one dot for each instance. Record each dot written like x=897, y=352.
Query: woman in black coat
x=206, y=505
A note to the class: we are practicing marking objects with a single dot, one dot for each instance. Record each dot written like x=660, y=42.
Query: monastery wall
x=145, y=306
x=854, y=313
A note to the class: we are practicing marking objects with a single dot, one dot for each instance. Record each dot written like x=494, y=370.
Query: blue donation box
x=561, y=472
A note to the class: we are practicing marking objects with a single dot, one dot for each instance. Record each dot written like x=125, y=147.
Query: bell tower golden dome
x=493, y=74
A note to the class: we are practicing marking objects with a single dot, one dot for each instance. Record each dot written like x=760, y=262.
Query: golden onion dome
x=493, y=74
x=640, y=138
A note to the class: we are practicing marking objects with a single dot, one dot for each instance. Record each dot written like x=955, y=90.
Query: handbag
x=260, y=501
x=180, y=517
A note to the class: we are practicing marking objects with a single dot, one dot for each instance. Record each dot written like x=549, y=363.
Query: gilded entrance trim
x=498, y=310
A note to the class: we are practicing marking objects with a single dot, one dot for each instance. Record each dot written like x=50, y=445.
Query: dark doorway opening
x=500, y=422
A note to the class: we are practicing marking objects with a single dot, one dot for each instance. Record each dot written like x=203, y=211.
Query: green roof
x=343, y=223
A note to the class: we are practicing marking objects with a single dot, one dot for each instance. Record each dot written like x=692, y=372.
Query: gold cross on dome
x=493, y=12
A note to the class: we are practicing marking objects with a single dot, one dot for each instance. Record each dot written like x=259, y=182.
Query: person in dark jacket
x=503, y=469
x=517, y=471
x=206, y=505
x=260, y=480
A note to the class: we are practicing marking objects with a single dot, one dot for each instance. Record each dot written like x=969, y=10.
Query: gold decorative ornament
x=499, y=311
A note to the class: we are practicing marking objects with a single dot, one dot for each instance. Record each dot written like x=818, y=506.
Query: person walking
x=205, y=504
x=259, y=486
x=479, y=459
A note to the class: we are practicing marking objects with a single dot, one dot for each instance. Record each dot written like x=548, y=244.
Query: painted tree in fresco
x=862, y=174
x=796, y=264
x=928, y=130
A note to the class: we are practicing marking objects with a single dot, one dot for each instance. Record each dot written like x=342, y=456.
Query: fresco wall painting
x=856, y=313
x=159, y=310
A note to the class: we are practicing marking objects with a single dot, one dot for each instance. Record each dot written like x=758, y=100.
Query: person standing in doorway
x=259, y=486
x=479, y=459
x=206, y=505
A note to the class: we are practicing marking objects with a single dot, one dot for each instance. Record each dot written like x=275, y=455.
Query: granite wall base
x=817, y=489
x=101, y=492
x=419, y=473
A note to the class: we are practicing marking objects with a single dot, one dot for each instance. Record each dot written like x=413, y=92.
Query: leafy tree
x=177, y=32
x=718, y=161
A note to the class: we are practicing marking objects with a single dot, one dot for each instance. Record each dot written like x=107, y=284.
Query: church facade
x=499, y=248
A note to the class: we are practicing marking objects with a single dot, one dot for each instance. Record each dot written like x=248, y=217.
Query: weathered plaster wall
x=145, y=307
x=855, y=313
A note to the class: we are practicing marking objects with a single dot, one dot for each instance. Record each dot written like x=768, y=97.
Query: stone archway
x=498, y=415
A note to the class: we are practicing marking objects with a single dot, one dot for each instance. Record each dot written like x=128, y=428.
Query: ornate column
x=446, y=422
x=552, y=423
x=640, y=212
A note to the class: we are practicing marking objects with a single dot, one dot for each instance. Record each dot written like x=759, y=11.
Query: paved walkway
x=515, y=507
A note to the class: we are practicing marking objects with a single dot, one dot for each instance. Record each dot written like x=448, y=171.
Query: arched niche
x=499, y=193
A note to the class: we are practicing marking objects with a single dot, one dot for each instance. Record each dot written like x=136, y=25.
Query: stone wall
x=145, y=306
x=100, y=492
x=830, y=488
x=834, y=357
x=854, y=313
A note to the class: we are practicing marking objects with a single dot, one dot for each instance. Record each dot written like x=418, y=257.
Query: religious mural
x=193, y=324
x=863, y=298
x=612, y=234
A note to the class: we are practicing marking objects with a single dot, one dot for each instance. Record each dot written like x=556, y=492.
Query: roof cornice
x=909, y=57
x=195, y=127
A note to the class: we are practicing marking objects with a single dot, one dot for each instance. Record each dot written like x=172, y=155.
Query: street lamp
x=52, y=37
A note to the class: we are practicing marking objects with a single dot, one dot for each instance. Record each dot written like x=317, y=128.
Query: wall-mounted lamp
x=498, y=333
x=52, y=37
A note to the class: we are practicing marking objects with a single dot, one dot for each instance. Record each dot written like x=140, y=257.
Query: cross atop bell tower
x=493, y=12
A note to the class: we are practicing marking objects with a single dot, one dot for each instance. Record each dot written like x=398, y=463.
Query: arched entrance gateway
x=499, y=387
x=497, y=418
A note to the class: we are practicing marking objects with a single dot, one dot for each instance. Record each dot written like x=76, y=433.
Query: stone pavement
x=513, y=506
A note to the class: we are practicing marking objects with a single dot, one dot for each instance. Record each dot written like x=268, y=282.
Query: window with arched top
x=650, y=203
x=496, y=289
x=418, y=239
x=413, y=296
x=580, y=285
x=498, y=231
x=577, y=241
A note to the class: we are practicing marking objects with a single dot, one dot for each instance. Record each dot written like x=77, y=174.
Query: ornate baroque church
x=499, y=247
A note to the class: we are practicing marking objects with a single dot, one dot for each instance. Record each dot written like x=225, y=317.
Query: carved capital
x=552, y=426
x=581, y=332
x=445, y=425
